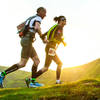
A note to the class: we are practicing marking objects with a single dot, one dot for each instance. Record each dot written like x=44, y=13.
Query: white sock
x=58, y=81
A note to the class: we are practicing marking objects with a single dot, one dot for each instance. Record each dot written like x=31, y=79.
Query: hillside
x=90, y=70
x=17, y=78
x=81, y=90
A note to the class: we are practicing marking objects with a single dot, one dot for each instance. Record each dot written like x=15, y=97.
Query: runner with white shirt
x=28, y=50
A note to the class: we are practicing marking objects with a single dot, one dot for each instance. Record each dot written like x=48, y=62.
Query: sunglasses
x=63, y=19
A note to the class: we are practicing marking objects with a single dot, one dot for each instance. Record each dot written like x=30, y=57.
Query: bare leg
x=59, y=65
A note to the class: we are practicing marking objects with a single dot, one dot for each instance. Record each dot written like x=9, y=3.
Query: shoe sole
x=34, y=86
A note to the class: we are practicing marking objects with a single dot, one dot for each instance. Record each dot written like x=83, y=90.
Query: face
x=42, y=13
x=63, y=23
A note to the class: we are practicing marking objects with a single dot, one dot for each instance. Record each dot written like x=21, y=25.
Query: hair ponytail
x=60, y=18
x=56, y=19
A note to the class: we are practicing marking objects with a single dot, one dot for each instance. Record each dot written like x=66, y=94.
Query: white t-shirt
x=32, y=22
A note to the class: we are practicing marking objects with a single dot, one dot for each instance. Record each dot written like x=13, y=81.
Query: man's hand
x=45, y=40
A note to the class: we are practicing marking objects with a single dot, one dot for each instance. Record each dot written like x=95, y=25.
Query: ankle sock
x=33, y=79
x=3, y=73
x=58, y=81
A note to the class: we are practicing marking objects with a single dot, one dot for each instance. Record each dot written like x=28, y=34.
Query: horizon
x=55, y=69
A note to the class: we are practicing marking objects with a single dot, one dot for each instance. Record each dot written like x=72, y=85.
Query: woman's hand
x=65, y=44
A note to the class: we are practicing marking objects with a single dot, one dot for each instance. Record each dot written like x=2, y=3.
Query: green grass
x=80, y=83
x=90, y=70
x=81, y=90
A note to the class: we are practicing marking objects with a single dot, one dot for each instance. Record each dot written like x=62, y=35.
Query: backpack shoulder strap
x=28, y=20
x=48, y=34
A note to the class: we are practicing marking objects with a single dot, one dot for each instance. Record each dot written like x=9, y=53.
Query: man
x=28, y=50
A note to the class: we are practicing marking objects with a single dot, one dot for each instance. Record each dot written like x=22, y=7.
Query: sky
x=82, y=32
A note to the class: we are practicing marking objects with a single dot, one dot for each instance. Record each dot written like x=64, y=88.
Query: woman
x=55, y=37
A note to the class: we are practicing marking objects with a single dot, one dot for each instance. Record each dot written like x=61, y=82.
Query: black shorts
x=27, y=49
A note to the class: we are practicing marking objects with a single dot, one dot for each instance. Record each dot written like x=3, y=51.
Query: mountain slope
x=90, y=70
x=17, y=78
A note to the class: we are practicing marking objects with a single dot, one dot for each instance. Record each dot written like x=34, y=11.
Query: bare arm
x=38, y=28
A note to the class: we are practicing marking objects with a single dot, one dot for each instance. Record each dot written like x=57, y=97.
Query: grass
x=81, y=90
x=90, y=70
x=80, y=83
